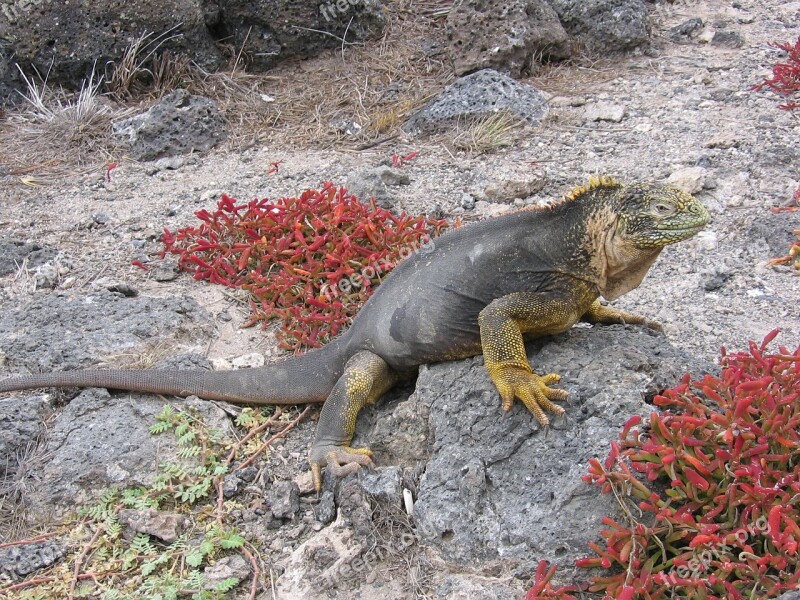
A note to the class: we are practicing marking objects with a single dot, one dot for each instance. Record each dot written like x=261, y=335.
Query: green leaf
x=226, y=585
x=194, y=558
x=190, y=452
x=206, y=547
x=148, y=567
x=231, y=540
x=159, y=427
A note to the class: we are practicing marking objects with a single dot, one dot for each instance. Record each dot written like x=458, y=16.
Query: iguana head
x=652, y=216
x=632, y=224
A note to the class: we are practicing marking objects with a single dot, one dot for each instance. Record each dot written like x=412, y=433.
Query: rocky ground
x=682, y=111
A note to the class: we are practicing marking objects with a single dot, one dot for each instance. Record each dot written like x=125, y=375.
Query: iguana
x=482, y=288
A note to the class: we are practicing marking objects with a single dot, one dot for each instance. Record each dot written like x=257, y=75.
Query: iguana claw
x=339, y=460
x=534, y=391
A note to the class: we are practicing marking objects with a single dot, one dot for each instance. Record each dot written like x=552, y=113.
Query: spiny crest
x=595, y=182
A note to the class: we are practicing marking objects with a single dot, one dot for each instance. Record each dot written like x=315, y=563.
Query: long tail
x=296, y=380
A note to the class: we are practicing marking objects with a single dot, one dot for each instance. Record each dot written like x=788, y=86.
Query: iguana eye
x=662, y=209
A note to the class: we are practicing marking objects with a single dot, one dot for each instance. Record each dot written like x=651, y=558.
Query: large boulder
x=272, y=30
x=179, y=123
x=481, y=94
x=55, y=332
x=67, y=39
x=604, y=26
x=100, y=442
x=508, y=36
x=500, y=486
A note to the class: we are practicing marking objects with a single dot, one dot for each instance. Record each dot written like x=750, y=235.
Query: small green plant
x=716, y=478
x=199, y=447
x=102, y=563
x=310, y=261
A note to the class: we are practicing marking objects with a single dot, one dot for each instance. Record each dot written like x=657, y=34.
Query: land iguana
x=482, y=288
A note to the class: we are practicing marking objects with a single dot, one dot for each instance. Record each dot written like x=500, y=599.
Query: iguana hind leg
x=365, y=379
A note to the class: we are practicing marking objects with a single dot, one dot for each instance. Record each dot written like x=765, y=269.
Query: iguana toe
x=339, y=460
x=654, y=325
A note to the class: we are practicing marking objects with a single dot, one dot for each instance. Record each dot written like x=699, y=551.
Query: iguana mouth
x=688, y=230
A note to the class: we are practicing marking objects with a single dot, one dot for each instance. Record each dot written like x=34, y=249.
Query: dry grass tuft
x=54, y=133
x=142, y=70
x=15, y=476
x=145, y=357
x=397, y=547
x=487, y=134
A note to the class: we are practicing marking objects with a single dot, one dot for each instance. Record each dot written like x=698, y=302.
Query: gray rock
x=509, y=36
x=226, y=567
x=166, y=526
x=467, y=201
x=789, y=596
x=686, y=30
x=101, y=441
x=13, y=253
x=604, y=111
x=508, y=190
x=728, y=39
x=480, y=94
x=178, y=124
x=167, y=270
x=230, y=485
x=10, y=81
x=715, y=278
x=605, y=25
x=498, y=485
x=322, y=563
x=284, y=499
x=272, y=31
x=374, y=182
x=20, y=560
x=775, y=230
x=66, y=39
x=168, y=163
x=325, y=511
x=723, y=141
x=384, y=483
x=56, y=332
x=689, y=179
x=47, y=275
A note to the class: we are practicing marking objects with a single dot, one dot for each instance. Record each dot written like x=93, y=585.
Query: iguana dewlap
x=482, y=288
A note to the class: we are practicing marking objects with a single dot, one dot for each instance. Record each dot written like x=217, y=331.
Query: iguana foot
x=534, y=391
x=339, y=460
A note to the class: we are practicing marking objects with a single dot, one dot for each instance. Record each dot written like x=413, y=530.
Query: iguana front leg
x=365, y=379
x=502, y=324
x=607, y=315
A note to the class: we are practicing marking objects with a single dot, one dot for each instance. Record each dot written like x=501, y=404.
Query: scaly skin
x=483, y=288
